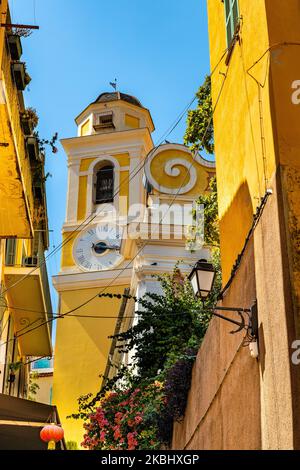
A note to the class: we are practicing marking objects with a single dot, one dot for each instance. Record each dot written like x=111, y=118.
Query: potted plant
x=22, y=78
x=29, y=120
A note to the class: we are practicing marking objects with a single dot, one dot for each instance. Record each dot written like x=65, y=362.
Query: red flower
x=118, y=417
x=138, y=419
x=117, y=433
x=124, y=403
x=132, y=442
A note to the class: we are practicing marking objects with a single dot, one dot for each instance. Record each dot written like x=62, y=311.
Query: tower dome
x=115, y=96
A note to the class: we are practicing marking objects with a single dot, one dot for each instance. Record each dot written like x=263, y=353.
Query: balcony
x=21, y=77
x=15, y=46
x=30, y=301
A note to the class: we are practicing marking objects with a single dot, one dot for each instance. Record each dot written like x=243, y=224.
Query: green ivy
x=167, y=324
x=200, y=130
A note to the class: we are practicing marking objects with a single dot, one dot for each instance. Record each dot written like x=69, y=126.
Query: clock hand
x=108, y=247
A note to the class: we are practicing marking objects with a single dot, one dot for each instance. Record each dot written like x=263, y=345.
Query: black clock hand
x=107, y=247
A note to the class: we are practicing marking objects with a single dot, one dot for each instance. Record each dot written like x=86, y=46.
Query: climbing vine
x=199, y=134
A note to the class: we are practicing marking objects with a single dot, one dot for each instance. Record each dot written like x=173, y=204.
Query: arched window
x=104, y=185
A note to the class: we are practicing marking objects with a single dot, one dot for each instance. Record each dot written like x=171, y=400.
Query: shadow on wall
x=223, y=410
x=234, y=226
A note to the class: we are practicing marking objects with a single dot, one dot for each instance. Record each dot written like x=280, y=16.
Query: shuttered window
x=232, y=16
x=10, y=251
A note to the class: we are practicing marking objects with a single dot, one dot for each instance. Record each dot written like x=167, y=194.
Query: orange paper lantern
x=51, y=434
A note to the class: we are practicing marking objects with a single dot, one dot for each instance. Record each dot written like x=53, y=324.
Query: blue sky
x=157, y=49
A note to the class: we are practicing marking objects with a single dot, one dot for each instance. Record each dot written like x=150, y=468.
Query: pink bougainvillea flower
x=124, y=403
x=138, y=419
x=117, y=433
x=118, y=417
x=132, y=441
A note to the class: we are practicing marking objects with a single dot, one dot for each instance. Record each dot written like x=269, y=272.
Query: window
x=232, y=16
x=104, y=186
x=104, y=121
x=10, y=252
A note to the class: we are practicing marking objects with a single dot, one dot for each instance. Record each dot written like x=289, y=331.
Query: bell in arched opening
x=104, y=185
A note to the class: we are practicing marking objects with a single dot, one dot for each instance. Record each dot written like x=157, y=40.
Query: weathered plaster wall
x=223, y=409
x=257, y=147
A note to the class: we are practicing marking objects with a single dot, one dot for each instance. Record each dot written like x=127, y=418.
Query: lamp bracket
x=251, y=325
x=242, y=324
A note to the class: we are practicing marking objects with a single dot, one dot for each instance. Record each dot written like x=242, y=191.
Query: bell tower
x=124, y=225
x=104, y=180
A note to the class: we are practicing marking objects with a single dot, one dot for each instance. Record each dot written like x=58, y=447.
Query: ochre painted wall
x=82, y=195
x=67, y=251
x=87, y=338
x=242, y=162
x=257, y=147
x=132, y=121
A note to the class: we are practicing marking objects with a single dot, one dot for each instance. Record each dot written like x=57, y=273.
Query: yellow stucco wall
x=257, y=146
x=244, y=146
x=87, y=339
x=16, y=190
x=85, y=128
x=45, y=383
x=66, y=252
x=82, y=195
x=132, y=121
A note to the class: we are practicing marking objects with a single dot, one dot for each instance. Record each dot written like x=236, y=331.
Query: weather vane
x=114, y=84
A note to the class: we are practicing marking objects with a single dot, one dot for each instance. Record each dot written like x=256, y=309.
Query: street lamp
x=202, y=279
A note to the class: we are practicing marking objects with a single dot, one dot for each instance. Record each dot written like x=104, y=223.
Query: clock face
x=98, y=248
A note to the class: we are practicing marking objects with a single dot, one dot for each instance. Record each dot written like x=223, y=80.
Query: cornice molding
x=112, y=142
x=66, y=281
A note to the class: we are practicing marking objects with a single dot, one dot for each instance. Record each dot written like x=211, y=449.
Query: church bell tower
x=114, y=173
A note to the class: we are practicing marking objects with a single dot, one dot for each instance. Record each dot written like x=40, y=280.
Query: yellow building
x=24, y=289
x=124, y=223
x=255, y=88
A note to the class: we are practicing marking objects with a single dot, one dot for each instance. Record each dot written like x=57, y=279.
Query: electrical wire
x=82, y=225
x=145, y=244
x=34, y=11
x=86, y=222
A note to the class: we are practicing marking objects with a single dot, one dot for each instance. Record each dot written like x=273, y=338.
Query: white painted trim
x=88, y=280
x=111, y=142
x=90, y=206
x=87, y=172
x=72, y=192
x=119, y=105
